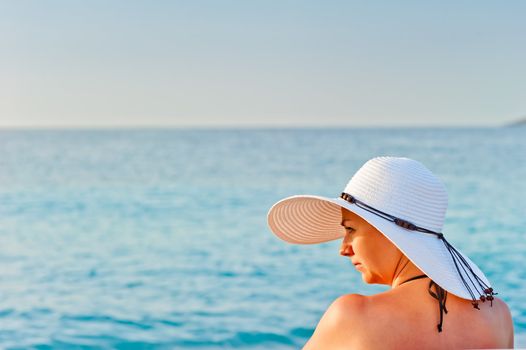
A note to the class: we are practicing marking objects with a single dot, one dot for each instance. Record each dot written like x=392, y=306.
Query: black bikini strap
x=441, y=296
x=414, y=278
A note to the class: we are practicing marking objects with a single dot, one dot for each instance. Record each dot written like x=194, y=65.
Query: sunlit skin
x=404, y=316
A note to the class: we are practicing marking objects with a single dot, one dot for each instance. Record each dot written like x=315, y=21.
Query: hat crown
x=401, y=187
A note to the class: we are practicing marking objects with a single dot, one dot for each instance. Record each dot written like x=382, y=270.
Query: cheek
x=375, y=252
x=365, y=250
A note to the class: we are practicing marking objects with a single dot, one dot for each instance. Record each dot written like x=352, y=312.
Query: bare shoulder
x=505, y=320
x=340, y=324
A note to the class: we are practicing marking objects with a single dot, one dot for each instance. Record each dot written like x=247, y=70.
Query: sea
x=158, y=239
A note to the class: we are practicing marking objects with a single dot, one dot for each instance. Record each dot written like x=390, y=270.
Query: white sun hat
x=403, y=200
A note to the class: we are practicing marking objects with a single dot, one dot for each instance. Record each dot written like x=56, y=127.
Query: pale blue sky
x=262, y=63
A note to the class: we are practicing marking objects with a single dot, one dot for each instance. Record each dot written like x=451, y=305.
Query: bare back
x=407, y=318
x=411, y=316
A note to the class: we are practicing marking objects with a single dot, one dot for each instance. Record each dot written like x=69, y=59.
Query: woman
x=390, y=217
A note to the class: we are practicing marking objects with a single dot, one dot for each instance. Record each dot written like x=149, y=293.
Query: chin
x=367, y=278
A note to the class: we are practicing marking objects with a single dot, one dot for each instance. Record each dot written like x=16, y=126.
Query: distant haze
x=261, y=63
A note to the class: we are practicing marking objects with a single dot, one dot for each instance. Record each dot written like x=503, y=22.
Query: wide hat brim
x=308, y=219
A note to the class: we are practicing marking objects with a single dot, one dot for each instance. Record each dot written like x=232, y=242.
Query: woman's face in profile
x=375, y=255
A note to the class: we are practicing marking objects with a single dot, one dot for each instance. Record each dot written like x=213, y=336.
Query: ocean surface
x=137, y=239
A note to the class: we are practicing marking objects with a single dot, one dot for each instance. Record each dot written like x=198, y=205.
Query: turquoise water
x=137, y=239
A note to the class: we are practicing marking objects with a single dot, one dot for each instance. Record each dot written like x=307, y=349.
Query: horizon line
x=242, y=127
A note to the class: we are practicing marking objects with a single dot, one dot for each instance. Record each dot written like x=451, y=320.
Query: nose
x=346, y=247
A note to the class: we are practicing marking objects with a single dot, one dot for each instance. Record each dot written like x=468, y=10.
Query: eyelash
x=349, y=229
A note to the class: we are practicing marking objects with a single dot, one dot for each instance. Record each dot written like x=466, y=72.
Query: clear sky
x=262, y=63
